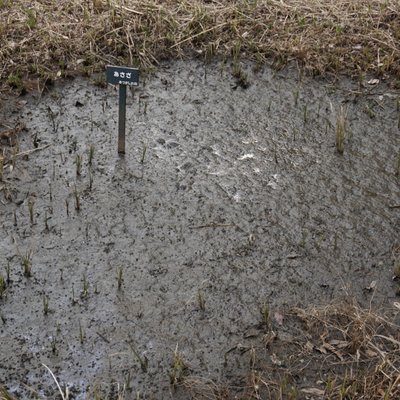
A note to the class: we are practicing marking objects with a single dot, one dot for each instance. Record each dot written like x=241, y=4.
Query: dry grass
x=45, y=39
x=341, y=352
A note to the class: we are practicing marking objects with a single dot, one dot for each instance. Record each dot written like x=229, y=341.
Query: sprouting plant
x=397, y=167
x=78, y=164
x=120, y=278
x=143, y=153
x=143, y=360
x=31, y=19
x=200, y=300
x=330, y=386
x=1, y=167
x=2, y=286
x=91, y=154
x=73, y=299
x=240, y=75
x=54, y=344
x=265, y=312
x=340, y=130
x=179, y=368
x=305, y=114
x=45, y=304
x=30, y=208
x=294, y=393
x=85, y=289
x=46, y=218
x=90, y=180
x=396, y=270
x=82, y=335
x=296, y=96
x=8, y=273
x=27, y=263
x=15, y=81
x=77, y=199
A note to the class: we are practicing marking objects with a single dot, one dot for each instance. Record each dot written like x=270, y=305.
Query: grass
x=340, y=130
x=78, y=165
x=345, y=351
x=26, y=261
x=334, y=36
x=3, y=286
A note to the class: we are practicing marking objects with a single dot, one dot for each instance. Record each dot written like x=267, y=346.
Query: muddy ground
x=228, y=199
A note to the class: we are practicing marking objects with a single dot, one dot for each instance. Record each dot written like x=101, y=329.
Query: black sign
x=122, y=75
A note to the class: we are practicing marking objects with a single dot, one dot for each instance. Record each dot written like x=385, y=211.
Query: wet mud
x=227, y=200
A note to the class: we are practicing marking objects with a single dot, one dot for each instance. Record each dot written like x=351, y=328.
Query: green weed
x=179, y=369
x=27, y=263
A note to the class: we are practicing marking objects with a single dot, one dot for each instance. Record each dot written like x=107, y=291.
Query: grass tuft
x=324, y=37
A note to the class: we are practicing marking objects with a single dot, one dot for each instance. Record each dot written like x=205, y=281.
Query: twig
x=24, y=153
x=211, y=225
x=64, y=397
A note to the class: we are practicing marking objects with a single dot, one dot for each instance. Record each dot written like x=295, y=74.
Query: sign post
x=123, y=77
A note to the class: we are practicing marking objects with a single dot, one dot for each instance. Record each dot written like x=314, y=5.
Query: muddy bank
x=227, y=200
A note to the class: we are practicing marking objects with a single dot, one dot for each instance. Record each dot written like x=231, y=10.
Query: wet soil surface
x=227, y=200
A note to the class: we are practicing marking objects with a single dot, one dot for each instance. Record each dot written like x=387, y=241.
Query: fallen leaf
x=397, y=305
x=275, y=360
x=371, y=286
x=341, y=344
x=371, y=353
x=278, y=318
x=330, y=348
x=313, y=391
x=373, y=82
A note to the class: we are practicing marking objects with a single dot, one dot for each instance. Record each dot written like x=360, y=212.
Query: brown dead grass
x=45, y=39
x=341, y=351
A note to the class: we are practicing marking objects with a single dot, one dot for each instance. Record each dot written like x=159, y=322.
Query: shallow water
x=241, y=200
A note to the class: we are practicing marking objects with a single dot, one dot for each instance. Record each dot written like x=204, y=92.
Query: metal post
x=122, y=119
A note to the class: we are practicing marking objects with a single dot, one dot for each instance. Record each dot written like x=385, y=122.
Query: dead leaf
x=278, y=318
x=314, y=391
x=371, y=353
x=397, y=305
x=330, y=348
x=275, y=360
x=341, y=344
x=373, y=82
x=309, y=346
x=372, y=286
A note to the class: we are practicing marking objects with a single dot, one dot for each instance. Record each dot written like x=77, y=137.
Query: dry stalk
x=355, y=36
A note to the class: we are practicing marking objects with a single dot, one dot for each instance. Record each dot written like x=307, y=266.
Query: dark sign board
x=122, y=75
